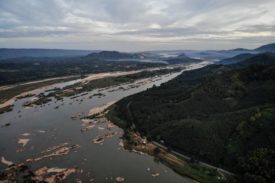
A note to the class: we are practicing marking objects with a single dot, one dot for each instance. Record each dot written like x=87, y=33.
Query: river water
x=46, y=126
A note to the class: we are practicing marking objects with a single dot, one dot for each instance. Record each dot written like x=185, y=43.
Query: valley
x=118, y=117
x=87, y=142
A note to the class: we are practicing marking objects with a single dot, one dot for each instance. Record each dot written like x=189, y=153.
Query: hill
x=263, y=58
x=266, y=48
x=223, y=115
x=240, y=49
x=248, y=58
x=236, y=59
x=112, y=55
x=217, y=55
x=115, y=55
x=182, y=58
x=6, y=53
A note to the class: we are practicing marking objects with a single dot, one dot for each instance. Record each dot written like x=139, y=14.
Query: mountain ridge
x=8, y=53
x=266, y=48
x=182, y=58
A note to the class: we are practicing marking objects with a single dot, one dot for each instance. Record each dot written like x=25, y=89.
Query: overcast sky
x=136, y=25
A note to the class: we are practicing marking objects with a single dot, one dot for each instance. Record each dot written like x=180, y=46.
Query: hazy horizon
x=136, y=25
x=77, y=49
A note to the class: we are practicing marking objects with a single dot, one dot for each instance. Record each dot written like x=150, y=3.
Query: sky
x=136, y=25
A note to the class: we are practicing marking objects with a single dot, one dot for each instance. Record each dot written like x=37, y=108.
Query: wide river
x=45, y=127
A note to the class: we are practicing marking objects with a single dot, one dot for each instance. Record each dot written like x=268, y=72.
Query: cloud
x=137, y=24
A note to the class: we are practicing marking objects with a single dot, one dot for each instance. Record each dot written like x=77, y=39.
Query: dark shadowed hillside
x=219, y=114
x=264, y=59
x=247, y=58
x=266, y=48
x=236, y=59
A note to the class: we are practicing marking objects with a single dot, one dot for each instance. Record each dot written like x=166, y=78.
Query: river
x=46, y=126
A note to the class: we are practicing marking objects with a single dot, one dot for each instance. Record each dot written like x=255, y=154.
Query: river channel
x=47, y=125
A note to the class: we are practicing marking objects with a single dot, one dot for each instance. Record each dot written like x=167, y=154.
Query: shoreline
x=11, y=100
x=134, y=142
x=49, y=82
x=10, y=86
x=90, y=77
x=81, y=81
x=168, y=159
x=56, y=80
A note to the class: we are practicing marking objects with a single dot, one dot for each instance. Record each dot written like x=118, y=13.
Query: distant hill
x=236, y=59
x=214, y=55
x=248, y=59
x=115, y=55
x=6, y=53
x=240, y=49
x=182, y=58
x=217, y=55
x=246, y=54
x=263, y=59
x=266, y=48
x=112, y=55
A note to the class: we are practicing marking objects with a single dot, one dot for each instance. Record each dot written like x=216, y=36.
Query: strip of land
x=8, y=96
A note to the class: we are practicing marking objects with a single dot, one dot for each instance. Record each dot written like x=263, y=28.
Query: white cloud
x=137, y=24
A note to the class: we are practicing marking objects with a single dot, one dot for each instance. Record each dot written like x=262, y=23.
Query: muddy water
x=49, y=127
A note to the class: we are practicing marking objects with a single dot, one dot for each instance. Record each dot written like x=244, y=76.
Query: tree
x=156, y=150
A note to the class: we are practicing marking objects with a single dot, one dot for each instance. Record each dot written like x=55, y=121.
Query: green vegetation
x=80, y=87
x=14, y=91
x=113, y=81
x=28, y=69
x=199, y=173
x=188, y=168
x=256, y=139
x=223, y=115
x=112, y=115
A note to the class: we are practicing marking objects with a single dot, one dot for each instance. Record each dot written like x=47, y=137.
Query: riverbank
x=9, y=95
x=104, y=81
x=94, y=143
x=134, y=142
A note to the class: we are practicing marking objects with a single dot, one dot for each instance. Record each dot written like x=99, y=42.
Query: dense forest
x=219, y=114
